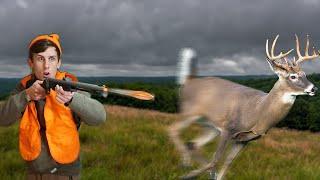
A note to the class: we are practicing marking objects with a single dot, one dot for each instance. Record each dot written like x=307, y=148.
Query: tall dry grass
x=133, y=144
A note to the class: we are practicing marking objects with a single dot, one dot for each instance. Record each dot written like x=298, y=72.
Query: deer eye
x=293, y=76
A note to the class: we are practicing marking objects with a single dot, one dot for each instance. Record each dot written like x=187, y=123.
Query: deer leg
x=174, y=131
x=211, y=166
x=195, y=145
x=235, y=149
x=206, y=137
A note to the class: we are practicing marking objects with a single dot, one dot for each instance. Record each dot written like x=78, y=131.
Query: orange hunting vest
x=61, y=130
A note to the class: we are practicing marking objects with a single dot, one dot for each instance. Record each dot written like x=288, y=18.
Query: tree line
x=304, y=115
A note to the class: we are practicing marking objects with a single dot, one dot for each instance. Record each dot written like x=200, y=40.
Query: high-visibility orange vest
x=61, y=131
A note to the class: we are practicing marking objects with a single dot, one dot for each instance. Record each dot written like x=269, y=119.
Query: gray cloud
x=143, y=37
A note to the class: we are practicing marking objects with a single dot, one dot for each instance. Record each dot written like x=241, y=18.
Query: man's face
x=45, y=64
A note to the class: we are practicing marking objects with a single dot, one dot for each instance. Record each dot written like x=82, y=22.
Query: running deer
x=237, y=113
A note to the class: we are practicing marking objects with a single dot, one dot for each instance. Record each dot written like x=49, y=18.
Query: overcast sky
x=143, y=37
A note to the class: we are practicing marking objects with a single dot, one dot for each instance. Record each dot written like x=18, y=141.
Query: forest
x=304, y=115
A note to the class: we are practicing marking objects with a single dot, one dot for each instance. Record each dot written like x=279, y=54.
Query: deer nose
x=314, y=89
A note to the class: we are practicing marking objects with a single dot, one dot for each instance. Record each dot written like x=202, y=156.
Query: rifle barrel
x=78, y=85
x=95, y=88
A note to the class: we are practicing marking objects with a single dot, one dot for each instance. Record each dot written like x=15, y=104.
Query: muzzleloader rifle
x=50, y=83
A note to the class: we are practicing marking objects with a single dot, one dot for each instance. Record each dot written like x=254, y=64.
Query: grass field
x=133, y=144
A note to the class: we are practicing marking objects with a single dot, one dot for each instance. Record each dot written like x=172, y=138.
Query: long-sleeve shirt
x=84, y=109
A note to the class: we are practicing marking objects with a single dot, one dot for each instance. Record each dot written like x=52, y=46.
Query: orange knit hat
x=54, y=38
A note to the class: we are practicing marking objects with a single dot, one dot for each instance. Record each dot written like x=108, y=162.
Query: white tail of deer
x=186, y=65
x=237, y=113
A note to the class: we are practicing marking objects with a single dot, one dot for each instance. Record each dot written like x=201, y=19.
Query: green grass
x=133, y=144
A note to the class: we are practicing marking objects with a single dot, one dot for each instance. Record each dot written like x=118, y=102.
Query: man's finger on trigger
x=38, y=82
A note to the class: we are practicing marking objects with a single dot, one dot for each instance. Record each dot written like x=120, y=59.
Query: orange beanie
x=54, y=38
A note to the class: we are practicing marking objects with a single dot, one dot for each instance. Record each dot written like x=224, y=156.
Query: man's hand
x=36, y=91
x=63, y=97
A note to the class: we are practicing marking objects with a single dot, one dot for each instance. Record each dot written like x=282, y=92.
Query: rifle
x=50, y=83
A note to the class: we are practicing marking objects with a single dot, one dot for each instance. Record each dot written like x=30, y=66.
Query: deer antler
x=306, y=56
x=272, y=57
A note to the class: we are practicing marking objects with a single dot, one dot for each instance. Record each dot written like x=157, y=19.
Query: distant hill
x=7, y=84
x=304, y=115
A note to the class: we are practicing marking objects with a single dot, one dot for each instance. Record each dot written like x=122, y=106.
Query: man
x=48, y=130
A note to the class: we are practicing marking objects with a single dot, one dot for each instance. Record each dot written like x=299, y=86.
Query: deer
x=236, y=113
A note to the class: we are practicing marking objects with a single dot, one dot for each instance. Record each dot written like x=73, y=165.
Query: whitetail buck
x=238, y=114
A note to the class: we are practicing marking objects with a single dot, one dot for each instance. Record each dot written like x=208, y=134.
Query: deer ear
x=279, y=71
